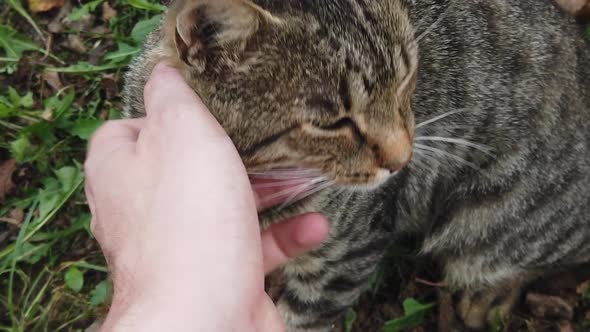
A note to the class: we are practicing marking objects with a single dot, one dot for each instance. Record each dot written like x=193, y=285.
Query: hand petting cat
x=177, y=221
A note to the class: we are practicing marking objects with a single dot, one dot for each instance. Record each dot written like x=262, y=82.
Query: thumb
x=292, y=238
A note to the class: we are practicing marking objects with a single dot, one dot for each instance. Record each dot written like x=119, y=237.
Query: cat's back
x=521, y=59
x=519, y=72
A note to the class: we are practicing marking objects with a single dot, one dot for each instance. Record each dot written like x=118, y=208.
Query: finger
x=171, y=103
x=115, y=130
x=110, y=137
x=292, y=238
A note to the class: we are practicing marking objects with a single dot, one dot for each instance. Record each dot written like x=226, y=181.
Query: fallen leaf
x=109, y=86
x=76, y=44
x=100, y=30
x=53, y=80
x=446, y=312
x=566, y=327
x=39, y=6
x=17, y=215
x=3, y=237
x=56, y=25
x=14, y=217
x=47, y=114
x=582, y=288
x=7, y=168
x=83, y=23
x=574, y=7
x=547, y=306
x=96, y=54
x=108, y=12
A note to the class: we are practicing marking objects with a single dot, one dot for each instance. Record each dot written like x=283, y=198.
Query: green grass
x=52, y=274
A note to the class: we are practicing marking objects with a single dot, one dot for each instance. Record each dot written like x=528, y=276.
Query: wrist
x=163, y=309
x=179, y=304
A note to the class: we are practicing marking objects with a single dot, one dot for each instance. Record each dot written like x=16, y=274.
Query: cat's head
x=313, y=84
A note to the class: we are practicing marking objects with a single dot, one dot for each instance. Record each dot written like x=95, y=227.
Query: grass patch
x=53, y=96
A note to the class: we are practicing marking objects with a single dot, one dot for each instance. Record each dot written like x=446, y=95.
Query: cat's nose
x=394, y=152
x=394, y=168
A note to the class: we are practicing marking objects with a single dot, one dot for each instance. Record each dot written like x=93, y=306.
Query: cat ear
x=206, y=27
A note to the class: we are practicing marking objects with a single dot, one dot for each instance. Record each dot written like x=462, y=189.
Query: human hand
x=175, y=215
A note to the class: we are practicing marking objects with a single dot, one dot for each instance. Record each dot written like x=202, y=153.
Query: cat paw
x=477, y=308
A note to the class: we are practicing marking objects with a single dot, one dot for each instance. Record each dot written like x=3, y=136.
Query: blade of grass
x=85, y=68
x=3, y=59
x=18, y=7
x=31, y=308
x=15, y=44
x=70, y=322
x=11, y=248
x=144, y=4
x=52, y=214
x=89, y=266
x=18, y=245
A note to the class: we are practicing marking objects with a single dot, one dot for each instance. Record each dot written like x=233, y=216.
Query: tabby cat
x=465, y=122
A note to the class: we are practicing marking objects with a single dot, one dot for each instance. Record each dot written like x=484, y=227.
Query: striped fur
x=513, y=78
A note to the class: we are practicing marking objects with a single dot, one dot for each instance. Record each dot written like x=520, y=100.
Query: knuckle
x=94, y=227
x=87, y=167
x=149, y=88
x=173, y=115
x=104, y=131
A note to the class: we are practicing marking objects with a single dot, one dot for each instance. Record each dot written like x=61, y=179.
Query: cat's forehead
x=359, y=34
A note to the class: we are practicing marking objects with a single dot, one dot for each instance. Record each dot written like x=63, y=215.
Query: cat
x=463, y=122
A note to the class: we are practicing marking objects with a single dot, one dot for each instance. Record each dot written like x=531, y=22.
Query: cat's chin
x=380, y=178
x=280, y=213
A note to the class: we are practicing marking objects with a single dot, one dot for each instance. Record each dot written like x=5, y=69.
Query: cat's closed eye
x=345, y=122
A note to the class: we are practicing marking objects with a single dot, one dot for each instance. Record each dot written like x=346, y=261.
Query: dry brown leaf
x=566, y=327
x=583, y=287
x=18, y=215
x=108, y=12
x=7, y=168
x=14, y=217
x=47, y=114
x=573, y=6
x=39, y=6
x=109, y=86
x=547, y=306
x=446, y=312
x=75, y=43
x=56, y=25
x=53, y=80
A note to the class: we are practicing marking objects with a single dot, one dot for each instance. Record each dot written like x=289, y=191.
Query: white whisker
x=440, y=117
x=293, y=198
x=459, y=141
x=290, y=190
x=284, y=192
x=442, y=152
x=433, y=25
x=427, y=158
x=280, y=183
x=286, y=170
x=286, y=175
x=315, y=190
